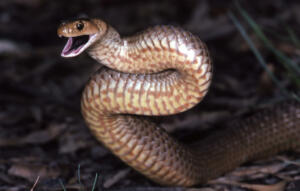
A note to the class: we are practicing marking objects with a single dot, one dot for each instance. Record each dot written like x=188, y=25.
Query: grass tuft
x=292, y=68
x=288, y=63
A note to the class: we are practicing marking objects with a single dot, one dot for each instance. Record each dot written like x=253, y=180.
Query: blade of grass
x=290, y=65
x=293, y=37
x=62, y=185
x=95, y=182
x=78, y=177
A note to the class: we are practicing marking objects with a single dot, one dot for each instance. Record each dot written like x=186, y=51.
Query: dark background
x=42, y=132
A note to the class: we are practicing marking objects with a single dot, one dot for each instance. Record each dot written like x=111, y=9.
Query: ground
x=44, y=139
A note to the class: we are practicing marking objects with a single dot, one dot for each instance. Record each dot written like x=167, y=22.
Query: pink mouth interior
x=67, y=47
x=74, y=45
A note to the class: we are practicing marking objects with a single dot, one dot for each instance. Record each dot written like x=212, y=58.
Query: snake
x=166, y=70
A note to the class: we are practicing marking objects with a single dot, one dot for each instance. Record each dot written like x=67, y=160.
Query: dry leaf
x=256, y=187
x=116, y=178
x=31, y=172
x=36, y=137
x=266, y=169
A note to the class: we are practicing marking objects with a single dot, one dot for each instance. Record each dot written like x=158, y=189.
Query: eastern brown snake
x=161, y=71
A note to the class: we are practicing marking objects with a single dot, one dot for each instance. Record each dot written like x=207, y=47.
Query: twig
x=35, y=183
x=117, y=177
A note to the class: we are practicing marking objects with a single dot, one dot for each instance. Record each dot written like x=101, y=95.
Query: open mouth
x=76, y=45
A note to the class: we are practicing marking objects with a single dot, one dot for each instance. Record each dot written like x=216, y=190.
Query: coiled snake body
x=161, y=71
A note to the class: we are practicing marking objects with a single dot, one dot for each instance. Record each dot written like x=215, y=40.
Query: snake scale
x=166, y=70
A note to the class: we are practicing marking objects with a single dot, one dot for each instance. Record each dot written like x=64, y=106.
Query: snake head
x=81, y=34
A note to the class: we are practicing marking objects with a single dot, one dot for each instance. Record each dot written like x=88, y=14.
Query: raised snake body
x=161, y=71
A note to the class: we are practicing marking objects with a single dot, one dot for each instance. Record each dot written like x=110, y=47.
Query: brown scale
x=166, y=70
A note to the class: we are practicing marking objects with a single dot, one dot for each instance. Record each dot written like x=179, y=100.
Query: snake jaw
x=76, y=45
x=81, y=34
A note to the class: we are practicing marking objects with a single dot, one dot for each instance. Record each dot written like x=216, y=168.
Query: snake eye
x=79, y=26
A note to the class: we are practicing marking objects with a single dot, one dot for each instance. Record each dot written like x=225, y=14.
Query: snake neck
x=154, y=50
x=106, y=48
